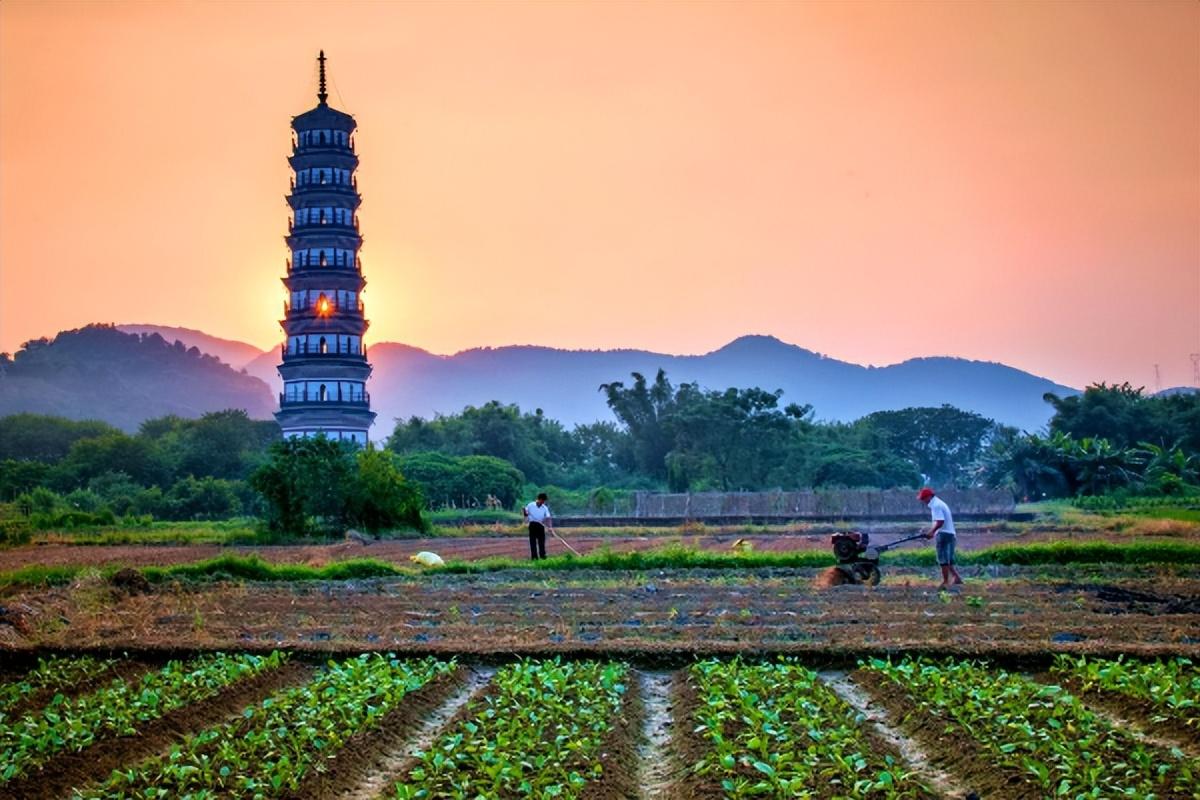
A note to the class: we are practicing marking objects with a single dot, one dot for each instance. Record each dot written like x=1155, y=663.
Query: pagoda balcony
x=335, y=310
x=326, y=266
x=312, y=352
x=314, y=188
x=325, y=184
x=332, y=398
x=307, y=149
x=322, y=227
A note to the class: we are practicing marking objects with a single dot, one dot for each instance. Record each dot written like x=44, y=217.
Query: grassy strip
x=1064, y=552
x=254, y=568
x=38, y=575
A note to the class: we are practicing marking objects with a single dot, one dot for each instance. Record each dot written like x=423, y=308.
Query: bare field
x=673, y=613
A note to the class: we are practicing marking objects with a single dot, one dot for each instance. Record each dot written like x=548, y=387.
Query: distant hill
x=565, y=384
x=1174, y=390
x=99, y=372
x=234, y=353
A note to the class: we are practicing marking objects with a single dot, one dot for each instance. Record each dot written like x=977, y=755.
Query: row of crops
x=1042, y=735
x=553, y=728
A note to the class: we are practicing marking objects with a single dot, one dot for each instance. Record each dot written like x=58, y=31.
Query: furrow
x=938, y=780
x=655, y=765
x=377, y=782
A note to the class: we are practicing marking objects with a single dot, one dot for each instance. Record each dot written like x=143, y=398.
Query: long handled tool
x=566, y=543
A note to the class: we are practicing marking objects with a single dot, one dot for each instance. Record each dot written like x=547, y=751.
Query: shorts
x=945, y=544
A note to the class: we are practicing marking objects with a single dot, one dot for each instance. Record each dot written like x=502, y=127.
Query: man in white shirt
x=947, y=538
x=537, y=514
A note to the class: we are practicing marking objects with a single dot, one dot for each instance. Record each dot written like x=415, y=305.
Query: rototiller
x=858, y=559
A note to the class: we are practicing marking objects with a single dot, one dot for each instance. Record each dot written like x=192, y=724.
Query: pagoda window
x=324, y=347
x=322, y=397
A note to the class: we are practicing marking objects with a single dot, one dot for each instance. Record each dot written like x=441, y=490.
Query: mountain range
x=409, y=381
x=99, y=372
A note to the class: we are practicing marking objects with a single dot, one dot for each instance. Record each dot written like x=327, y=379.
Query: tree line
x=664, y=437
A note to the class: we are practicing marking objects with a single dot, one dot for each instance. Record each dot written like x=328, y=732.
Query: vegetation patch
x=1163, y=693
x=774, y=729
x=42, y=749
x=280, y=743
x=1042, y=732
x=254, y=568
x=539, y=733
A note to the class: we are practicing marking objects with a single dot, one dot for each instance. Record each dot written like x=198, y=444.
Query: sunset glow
x=1015, y=182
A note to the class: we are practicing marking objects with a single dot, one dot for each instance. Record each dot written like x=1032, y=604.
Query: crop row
x=118, y=708
x=281, y=741
x=536, y=732
x=56, y=672
x=774, y=729
x=1042, y=732
x=1172, y=685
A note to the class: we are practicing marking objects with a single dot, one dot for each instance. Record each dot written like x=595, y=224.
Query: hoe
x=858, y=559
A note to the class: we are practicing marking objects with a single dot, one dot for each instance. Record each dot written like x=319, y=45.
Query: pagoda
x=325, y=367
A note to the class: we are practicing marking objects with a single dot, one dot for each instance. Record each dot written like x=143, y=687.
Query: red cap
x=925, y=494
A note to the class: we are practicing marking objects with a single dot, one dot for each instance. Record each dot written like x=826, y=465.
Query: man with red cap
x=943, y=527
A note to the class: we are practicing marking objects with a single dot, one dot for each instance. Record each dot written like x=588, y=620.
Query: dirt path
x=912, y=753
x=654, y=752
x=376, y=783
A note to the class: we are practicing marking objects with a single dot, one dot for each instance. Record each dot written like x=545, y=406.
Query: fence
x=839, y=504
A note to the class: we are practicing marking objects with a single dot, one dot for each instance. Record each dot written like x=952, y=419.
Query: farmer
x=943, y=527
x=537, y=514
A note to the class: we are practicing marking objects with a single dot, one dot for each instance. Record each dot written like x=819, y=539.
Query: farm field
x=673, y=613
x=742, y=678
x=62, y=549
x=382, y=726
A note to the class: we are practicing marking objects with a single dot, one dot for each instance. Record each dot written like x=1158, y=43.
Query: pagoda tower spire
x=322, y=95
x=324, y=358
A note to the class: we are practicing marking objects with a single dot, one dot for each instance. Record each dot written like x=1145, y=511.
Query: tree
x=730, y=440
x=18, y=477
x=942, y=443
x=379, y=498
x=645, y=412
x=305, y=483
x=480, y=476
x=203, y=498
x=221, y=444
x=1167, y=470
x=111, y=452
x=448, y=481
x=36, y=437
x=1125, y=416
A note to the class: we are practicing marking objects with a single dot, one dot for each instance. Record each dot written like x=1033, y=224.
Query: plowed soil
x=673, y=612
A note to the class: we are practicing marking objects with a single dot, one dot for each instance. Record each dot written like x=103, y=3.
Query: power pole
x=1157, y=379
x=1195, y=369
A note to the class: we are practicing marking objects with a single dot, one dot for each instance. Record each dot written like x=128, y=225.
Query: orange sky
x=1017, y=182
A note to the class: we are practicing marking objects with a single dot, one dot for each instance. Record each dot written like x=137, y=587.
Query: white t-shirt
x=537, y=513
x=939, y=510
